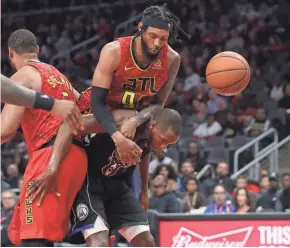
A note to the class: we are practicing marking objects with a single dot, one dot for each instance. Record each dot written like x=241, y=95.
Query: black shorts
x=109, y=198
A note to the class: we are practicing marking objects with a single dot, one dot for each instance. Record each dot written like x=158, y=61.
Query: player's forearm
x=92, y=126
x=13, y=93
x=145, y=114
x=144, y=173
x=101, y=111
x=16, y=94
x=61, y=147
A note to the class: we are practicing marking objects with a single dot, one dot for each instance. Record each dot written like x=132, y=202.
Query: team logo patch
x=157, y=63
x=114, y=165
x=82, y=211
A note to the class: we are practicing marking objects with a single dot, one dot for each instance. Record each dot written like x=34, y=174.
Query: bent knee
x=98, y=239
x=144, y=239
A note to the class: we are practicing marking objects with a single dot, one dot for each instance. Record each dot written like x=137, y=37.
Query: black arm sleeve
x=101, y=110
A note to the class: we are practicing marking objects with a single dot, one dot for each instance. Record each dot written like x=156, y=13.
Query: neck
x=25, y=58
x=141, y=57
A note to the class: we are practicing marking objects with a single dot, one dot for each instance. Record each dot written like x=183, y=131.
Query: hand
x=143, y=198
x=129, y=151
x=46, y=182
x=128, y=128
x=69, y=112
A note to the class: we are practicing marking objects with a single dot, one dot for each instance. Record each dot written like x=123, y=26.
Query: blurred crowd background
x=212, y=125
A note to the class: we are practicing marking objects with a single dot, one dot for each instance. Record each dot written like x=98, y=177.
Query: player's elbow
x=6, y=135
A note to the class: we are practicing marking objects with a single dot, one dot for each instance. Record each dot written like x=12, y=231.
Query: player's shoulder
x=27, y=76
x=111, y=55
x=172, y=55
x=113, y=47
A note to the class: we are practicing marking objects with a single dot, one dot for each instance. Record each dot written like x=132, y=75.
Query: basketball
x=228, y=73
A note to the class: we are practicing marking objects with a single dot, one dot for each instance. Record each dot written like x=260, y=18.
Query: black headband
x=156, y=23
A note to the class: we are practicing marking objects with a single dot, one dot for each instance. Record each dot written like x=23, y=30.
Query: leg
x=99, y=239
x=50, y=220
x=36, y=243
x=128, y=217
x=98, y=236
x=88, y=215
x=138, y=236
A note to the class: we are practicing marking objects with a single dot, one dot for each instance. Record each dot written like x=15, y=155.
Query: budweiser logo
x=233, y=238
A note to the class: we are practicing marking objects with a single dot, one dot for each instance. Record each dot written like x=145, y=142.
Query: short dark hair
x=242, y=177
x=218, y=185
x=286, y=174
x=23, y=41
x=192, y=178
x=168, y=119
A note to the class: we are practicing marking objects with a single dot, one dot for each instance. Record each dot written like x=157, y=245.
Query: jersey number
x=128, y=99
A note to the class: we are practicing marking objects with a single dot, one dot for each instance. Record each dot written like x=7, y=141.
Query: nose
x=157, y=43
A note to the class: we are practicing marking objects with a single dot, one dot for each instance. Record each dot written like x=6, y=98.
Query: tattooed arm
x=15, y=94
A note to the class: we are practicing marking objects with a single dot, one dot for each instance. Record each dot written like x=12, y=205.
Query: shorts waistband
x=51, y=143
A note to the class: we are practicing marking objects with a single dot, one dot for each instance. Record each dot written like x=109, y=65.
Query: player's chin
x=154, y=52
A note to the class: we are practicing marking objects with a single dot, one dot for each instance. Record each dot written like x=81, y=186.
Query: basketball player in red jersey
x=13, y=93
x=132, y=69
x=32, y=224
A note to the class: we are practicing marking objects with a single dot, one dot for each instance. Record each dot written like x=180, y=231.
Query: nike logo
x=128, y=68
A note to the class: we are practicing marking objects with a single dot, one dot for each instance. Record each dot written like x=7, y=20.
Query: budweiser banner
x=224, y=233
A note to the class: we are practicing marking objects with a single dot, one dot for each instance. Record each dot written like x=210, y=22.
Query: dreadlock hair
x=23, y=41
x=164, y=14
x=168, y=119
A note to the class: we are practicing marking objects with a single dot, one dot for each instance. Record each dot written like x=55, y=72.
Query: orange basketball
x=228, y=73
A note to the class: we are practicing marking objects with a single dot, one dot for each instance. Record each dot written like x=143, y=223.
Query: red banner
x=224, y=233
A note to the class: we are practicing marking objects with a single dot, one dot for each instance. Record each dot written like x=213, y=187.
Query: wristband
x=43, y=101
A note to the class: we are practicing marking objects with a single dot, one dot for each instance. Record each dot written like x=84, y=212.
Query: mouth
x=154, y=51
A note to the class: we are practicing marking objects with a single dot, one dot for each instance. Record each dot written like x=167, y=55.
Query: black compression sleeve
x=101, y=110
x=43, y=101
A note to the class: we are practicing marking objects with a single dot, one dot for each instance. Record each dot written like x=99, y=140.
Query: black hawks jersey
x=103, y=158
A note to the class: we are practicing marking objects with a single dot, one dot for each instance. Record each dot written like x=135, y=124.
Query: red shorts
x=49, y=221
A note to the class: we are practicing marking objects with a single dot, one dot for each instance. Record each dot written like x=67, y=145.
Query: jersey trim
x=133, y=57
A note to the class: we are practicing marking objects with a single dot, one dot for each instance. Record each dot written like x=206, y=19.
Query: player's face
x=152, y=40
x=160, y=140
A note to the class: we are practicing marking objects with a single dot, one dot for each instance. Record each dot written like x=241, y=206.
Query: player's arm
x=102, y=79
x=108, y=63
x=144, y=176
x=16, y=94
x=11, y=115
x=64, y=136
x=161, y=97
x=13, y=93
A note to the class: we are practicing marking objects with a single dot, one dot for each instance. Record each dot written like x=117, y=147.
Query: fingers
x=34, y=187
x=37, y=193
x=41, y=197
x=74, y=121
x=137, y=149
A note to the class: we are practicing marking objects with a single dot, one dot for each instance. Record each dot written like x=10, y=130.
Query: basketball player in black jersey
x=106, y=200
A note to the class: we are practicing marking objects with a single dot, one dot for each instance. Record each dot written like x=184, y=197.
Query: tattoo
x=146, y=113
x=161, y=97
x=13, y=93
